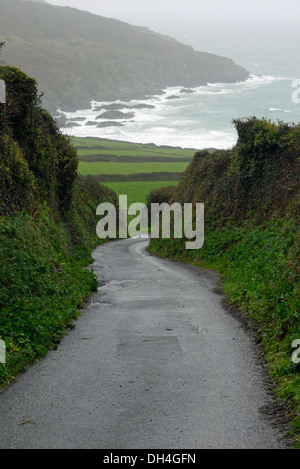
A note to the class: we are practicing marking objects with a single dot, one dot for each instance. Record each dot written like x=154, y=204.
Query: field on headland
x=131, y=169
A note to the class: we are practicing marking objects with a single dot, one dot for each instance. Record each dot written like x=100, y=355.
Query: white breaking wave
x=274, y=109
x=199, y=118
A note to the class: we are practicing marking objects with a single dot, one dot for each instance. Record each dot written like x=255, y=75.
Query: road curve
x=154, y=362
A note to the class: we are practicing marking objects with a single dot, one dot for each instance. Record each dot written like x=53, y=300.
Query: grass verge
x=43, y=277
x=260, y=271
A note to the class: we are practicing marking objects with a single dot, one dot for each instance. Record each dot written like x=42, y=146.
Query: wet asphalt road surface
x=154, y=362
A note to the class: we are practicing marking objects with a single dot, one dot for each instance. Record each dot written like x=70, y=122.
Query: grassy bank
x=252, y=238
x=43, y=280
x=260, y=275
x=42, y=286
x=47, y=228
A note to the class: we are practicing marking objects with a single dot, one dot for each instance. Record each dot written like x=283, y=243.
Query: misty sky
x=154, y=13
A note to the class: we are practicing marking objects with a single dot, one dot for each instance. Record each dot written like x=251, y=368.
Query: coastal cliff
x=76, y=56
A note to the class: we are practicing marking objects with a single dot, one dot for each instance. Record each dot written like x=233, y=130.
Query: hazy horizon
x=159, y=12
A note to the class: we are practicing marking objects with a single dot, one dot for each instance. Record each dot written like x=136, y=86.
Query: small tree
x=2, y=44
x=1, y=103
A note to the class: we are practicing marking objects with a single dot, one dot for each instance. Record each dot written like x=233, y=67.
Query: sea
x=203, y=117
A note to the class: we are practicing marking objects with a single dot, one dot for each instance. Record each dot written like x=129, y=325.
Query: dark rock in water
x=110, y=124
x=173, y=97
x=142, y=106
x=118, y=106
x=116, y=115
x=91, y=123
x=78, y=119
x=187, y=90
x=111, y=107
x=71, y=124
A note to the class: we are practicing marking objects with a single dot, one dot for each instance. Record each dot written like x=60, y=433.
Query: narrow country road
x=154, y=362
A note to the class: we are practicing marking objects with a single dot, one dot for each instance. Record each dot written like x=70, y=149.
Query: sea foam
x=197, y=117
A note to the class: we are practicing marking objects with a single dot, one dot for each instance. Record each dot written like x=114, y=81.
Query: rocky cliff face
x=77, y=56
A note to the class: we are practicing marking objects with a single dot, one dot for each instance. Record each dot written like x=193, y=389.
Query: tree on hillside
x=2, y=92
x=2, y=44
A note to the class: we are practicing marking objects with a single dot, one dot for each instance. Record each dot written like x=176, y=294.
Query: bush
x=159, y=196
x=17, y=189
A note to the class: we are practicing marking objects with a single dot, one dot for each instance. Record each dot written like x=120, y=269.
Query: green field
x=89, y=145
x=116, y=162
x=129, y=168
x=137, y=191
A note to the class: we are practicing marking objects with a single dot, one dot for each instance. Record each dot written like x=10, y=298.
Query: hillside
x=77, y=56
